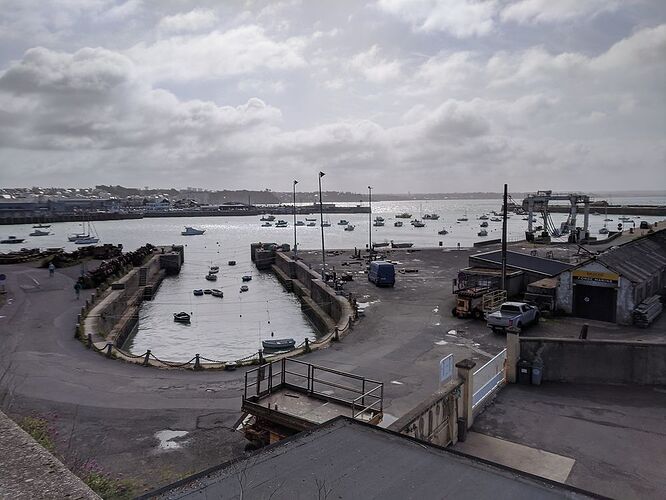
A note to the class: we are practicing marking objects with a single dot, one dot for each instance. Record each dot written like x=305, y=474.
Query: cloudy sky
x=406, y=95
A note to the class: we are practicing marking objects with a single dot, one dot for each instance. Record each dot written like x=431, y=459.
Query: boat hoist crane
x=539, y=202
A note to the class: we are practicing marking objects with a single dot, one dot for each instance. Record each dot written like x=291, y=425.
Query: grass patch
x=109, y=488
x=38, y=428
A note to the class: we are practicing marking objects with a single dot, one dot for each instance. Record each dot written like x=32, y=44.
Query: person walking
x=77, y=289
x=51, y=270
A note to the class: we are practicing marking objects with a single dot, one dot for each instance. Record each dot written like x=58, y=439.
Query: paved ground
x=111, y=411
x=615, y=434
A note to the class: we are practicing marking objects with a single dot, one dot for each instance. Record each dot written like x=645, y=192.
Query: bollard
x=261, y=357
x=146, y=360
x=197, y=362
x=109, y=349
x=307, y=345
x=336, y=334
x=90, y=343
x=583, y=331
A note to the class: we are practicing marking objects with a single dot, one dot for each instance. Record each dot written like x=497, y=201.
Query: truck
x=381, y=273
x=513, y=314
x=476, y=302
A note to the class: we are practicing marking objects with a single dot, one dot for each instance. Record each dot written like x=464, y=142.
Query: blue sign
x=446, y=369
x=3, y=277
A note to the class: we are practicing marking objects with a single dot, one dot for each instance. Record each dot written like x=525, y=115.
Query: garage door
x=595, y=302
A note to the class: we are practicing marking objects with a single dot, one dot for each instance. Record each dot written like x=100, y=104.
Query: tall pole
x=321, y=223
x=504, y=217
x=295, y=245
x=370, y=219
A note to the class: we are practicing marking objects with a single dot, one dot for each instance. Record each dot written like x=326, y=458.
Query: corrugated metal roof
x=525, y=262
x=639, y=260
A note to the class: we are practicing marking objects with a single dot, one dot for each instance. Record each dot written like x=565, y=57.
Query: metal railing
x=365, y=397
x=488, y=378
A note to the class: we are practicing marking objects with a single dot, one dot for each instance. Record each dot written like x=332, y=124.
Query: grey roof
x=638, y=260
x=525, y=262
x=345, y=458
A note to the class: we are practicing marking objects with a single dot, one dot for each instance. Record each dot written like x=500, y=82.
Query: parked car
x=381, y=273
x=644, y=225
x=513, y=314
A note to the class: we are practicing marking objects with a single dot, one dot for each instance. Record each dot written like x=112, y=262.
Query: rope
x=171, y=364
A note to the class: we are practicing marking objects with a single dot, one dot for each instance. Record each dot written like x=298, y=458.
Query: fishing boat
x=430, y=216
x=397, y=223
x=343, y=222
x=266, y=224
x=216, y=292
x=462, y=219
x=379, y=218
x=181, y=317
x=214, y=270
x=191, y=231
x=483, y=217
x=300, y=223
x=311, y=219
x=483, y=232
x=401, y=245
x=418, y=223
x=311, y=224
x=211, y=277
x=198, y=292
x=244, y=288
x=443, y=231
x=349, y=227
x=326, y=223
x=12, y=240
x=403, y=215
x=232, y=262
x=379, y=222
x=495, y=219
x=483, y=224
x=38, y=232
x=278, y=344
x=208, y=291
x=247, y=277
x=380, y=245
x=41, y=226
x=268, y=218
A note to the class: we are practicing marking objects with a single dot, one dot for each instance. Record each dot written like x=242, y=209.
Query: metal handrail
x=363, y=410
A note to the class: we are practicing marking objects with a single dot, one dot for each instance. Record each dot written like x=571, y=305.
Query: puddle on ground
x=396, y=382
x=441, y=342
x=166, y=439
x=437, y=324
x=387, y=419
x=453, y=333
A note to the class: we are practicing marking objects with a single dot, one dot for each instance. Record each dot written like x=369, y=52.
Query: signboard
x=3, y=277
x=592, y=277
x=446, y=369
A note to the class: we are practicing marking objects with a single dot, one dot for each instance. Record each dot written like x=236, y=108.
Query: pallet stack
x=647, y=311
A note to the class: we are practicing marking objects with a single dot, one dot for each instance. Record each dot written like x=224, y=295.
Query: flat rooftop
x=616, y=434
x=522, y=261
x=348, y=459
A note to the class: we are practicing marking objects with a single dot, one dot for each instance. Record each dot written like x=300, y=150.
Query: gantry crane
x=539, y=202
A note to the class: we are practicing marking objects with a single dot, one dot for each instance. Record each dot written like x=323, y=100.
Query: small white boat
x=269, y=218
x=418, y=223
x=349, y=228
x=266, y=224
x=41, y=226
x=281, y=223
x=397, y=223
x=311, y=224
x=431, y=217
x=216, y=292
x=462, y=219
x=244, y=288
x=278, y=344
x=90, y=240
x=401, y=245
x=380, y=245
x=483, y=217
x=211, y=277
x=378, y=223
x=191, y=231
x=38, y=232
x=403, y=215
x=300, y=223
x=483, y=232
x=214, y=270
x=343, y=222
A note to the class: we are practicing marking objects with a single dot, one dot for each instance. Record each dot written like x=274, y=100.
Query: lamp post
x=321, y=223
x=295, y=245
x=370, y=219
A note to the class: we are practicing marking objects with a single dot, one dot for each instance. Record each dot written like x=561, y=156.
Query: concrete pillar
x=465, y=372
x=512, y=354
x=197, y=362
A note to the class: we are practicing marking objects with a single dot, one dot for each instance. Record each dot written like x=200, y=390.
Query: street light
x=295, y=247
x=321, y=223
x=370, y=219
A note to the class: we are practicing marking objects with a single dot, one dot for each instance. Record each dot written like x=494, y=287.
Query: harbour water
x=233, y=327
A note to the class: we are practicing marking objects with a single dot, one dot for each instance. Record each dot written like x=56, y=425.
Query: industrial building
x=608, y=287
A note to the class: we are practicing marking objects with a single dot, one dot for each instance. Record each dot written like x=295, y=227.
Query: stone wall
x=597, y=361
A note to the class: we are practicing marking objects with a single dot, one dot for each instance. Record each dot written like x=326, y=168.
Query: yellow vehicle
x=476, y=302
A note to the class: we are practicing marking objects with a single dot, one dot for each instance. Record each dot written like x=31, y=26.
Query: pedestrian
x=77, y=289
x=51, y=270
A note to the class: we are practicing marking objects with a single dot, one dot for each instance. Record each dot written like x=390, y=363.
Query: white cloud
x=194, y=20
x=460, y=18
x=549, y=11
x=373, y=67
x=238, y=51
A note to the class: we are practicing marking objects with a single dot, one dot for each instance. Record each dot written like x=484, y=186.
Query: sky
x=403, y=95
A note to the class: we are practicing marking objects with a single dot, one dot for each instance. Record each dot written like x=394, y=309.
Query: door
x=595, y=302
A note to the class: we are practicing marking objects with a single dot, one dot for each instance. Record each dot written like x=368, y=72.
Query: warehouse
x=609, y=286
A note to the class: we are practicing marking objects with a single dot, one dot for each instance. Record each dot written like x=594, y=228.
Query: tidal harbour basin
x=154, y=418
